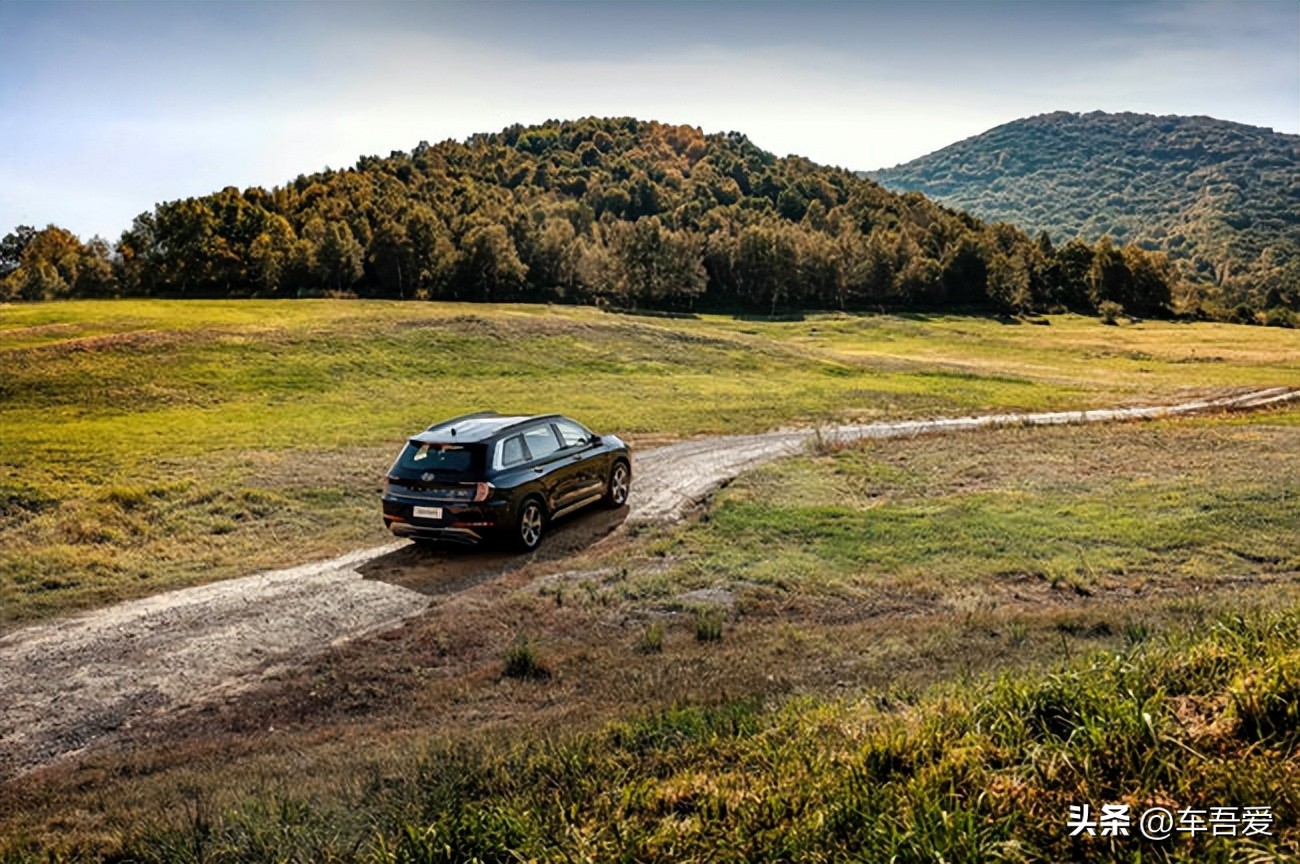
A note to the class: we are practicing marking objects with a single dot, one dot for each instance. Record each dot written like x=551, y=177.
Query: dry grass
x=829, y=627
x=148, y=445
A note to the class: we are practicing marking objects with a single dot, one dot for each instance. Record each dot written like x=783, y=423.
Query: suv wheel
x=529, y=525
x=620, y=483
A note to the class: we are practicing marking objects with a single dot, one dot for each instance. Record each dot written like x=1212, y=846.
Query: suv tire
x=529, y=525
x=619, y=485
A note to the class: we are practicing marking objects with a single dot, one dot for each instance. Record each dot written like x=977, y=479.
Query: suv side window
x=512, y=451
x=571, y=433
x=541, y=441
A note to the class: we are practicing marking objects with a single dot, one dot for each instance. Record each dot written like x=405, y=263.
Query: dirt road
x=69, y=683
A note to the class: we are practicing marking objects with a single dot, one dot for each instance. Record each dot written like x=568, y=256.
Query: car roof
x=477, y=428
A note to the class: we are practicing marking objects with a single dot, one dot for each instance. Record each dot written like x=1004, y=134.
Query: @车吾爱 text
x=1162, y=823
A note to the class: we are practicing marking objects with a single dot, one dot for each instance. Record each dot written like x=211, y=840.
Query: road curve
x=68, y=683
x=670, y=480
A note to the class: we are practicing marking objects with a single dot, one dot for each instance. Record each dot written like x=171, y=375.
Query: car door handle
x=539, y=469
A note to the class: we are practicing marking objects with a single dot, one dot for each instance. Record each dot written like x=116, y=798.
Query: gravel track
x=73, y=682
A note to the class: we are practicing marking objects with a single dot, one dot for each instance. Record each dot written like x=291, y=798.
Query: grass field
x=936, y=661
x=977, y=772
x=1086, y=510
x=925, y=648
x=148, y=445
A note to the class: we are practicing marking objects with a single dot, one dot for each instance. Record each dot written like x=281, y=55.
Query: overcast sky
x=107, y=109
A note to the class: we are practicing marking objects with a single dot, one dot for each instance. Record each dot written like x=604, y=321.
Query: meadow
x=984, y=771
x=147, y=445
x=916, y=649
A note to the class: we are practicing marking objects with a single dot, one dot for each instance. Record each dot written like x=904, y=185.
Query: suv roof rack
x=453, y=421
x=504, y=424
x=523, y=421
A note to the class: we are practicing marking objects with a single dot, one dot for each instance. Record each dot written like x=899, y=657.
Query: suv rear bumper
x=469, y=536
x=460, y=523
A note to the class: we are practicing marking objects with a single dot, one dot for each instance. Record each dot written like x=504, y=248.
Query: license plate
x=427, y=512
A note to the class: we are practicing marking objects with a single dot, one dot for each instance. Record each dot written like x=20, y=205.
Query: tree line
x=616, y=212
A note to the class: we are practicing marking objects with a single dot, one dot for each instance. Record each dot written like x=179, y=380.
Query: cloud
x=111, y=108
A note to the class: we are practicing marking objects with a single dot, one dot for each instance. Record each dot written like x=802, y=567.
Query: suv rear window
x=443, y=458
x=512, y=451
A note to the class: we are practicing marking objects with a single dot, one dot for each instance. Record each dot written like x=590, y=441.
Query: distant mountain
x=1221, y=199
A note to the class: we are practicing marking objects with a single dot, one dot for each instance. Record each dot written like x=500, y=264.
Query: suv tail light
x=483, y=491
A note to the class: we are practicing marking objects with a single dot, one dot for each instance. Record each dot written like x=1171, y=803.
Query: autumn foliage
x=620, y=212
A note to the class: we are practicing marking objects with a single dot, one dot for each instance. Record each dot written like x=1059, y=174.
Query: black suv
x=485, y=475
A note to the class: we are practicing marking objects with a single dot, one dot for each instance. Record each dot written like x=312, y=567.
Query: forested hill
x=618, y=211
x=1222, y=199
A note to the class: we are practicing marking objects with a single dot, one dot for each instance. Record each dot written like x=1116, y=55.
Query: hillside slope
x=1222, y=199
x=618, y=211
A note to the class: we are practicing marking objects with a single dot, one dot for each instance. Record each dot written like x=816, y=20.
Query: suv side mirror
x=593, y=440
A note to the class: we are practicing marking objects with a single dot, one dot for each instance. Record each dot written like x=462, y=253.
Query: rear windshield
x=421, y=456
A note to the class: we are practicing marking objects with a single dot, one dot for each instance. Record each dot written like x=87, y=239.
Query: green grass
x=522, y=661
x=982, y=771
x=151, y=444
x=930, y=649
x=1135, y=507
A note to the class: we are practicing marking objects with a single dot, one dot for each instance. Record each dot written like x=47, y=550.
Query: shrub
x=522, y=662
x=652, y=640
x=1110, y=312
x=1280, y=316
x=708, y=625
